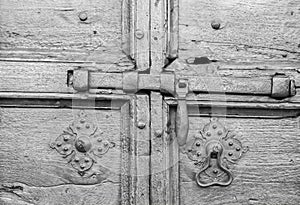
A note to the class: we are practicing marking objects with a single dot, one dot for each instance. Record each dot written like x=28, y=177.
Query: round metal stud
x=86, y=160
x=230, y=143
x=238, y=149
x=208, y=134
x=87, y=126
x=220, y=132
x=76, y=159
x=215, y=171
x=99, y=140
x=215, y=24
x=82, y=166
x=58, y=144
x=190, y=150
x=198, y=144
x=83, y=144
x=230, y=154
x=83, y=16
x=139, y=34
x=66, y=138
x=105, y=144
x=100, y=149
x=82, y=121
x=141, y=125
x=66, y=149
x=198, y=154
x=214, y=126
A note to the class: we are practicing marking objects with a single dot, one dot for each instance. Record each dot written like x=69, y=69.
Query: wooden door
x=237, y=142
x=163, y=102
x=64, y=141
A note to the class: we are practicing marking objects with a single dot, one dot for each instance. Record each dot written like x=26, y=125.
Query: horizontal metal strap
x=278, y=86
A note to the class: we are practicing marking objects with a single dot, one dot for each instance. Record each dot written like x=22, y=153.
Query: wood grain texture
x=142, y=150
x=142, y=25
x=54, y=30
x=249, y=30
x=159, y=34
x=33, y=173
x=22, y=194
x=267, y=174
x=158, y=154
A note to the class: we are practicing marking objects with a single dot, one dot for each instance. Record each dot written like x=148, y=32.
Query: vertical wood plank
x=158, y=31
x=158, y=165
x=132, y=151
x=125, y=150
x=143, y=150
x=173, y=28
x=173, y=191
x=142, y=35
x=126, y=18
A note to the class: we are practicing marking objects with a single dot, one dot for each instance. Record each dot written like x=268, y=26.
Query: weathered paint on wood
x=248, y=31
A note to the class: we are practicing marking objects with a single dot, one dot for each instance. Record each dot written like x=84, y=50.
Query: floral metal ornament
x=213, y=151
x=81, y=142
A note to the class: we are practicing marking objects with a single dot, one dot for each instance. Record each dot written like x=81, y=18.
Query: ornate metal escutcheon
x=81, y=142
x=212, y=151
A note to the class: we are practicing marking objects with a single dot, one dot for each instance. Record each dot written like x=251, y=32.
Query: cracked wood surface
x=45, y=176
x=249, y=30
x=267, y=174
x=54, y=30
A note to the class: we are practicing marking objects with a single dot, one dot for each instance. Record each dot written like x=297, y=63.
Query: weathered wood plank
x=173, y=28
x=158, y=154
x=143, y=150
x=28, y=158
x=244, y=30
x=267, y=174
x=158, y=33
x=62, y=30
x=142, y=35
x=22, y=194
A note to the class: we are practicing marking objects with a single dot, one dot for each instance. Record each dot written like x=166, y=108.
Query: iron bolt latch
x=282, y=86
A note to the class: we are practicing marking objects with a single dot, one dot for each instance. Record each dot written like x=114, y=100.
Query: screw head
x=215, y=24
x=83, y=16
x=139, y=34
x=141, y=125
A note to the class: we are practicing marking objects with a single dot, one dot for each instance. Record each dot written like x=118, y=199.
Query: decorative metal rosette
x=82, y=141
x=211, y=150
